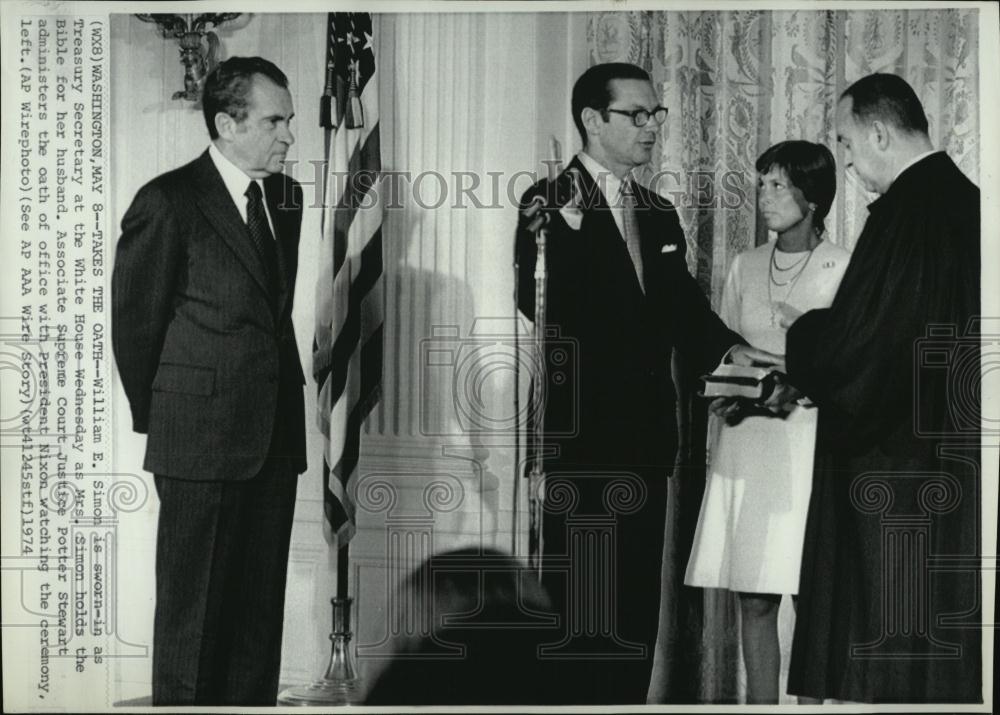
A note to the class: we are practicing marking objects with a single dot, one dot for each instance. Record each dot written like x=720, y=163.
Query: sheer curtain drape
x=736, y=83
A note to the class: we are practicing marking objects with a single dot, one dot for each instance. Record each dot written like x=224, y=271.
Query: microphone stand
x=536, y=474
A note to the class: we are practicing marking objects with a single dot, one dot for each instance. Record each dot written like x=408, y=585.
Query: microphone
x=563, y=193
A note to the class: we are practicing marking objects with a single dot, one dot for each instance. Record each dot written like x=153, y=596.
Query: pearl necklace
x=784, y=269
x=793, y=281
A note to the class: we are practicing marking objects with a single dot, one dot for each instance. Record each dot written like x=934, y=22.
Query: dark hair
x=478, y=636
x=887, y=98
x=228, y=86
x=810, y=168
x=593, y=88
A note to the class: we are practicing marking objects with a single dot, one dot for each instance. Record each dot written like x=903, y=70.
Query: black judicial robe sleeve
x=916, y=265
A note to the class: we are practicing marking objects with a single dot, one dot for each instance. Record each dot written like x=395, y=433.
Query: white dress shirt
x=609, y=184
x=236, y=182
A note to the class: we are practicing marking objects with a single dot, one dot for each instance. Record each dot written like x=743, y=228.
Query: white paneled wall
x=464, y=99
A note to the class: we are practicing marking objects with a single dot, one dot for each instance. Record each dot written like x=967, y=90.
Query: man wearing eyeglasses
x=620, y=295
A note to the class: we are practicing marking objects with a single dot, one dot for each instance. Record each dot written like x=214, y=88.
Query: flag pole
x=343, y=569
x=339, y=684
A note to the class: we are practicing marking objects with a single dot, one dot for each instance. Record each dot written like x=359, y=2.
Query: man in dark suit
x=203, y=338
x=620, y=296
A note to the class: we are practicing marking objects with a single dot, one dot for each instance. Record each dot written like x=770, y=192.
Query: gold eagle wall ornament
x=198, y=45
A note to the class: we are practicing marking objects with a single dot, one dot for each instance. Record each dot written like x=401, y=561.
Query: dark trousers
x=602, y=563
x=221, y=560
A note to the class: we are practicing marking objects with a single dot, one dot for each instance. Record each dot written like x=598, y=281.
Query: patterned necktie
x=260, y=234
x=631, y=225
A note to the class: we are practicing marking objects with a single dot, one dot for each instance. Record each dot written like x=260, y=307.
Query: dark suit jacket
x=206, y=354
x=622, y=410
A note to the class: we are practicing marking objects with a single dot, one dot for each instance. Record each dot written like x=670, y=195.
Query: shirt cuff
x=728, y=354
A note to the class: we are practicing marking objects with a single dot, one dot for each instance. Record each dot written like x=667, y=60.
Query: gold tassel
x=355, y=113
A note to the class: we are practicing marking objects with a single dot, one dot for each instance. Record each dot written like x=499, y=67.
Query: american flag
x=347, y=358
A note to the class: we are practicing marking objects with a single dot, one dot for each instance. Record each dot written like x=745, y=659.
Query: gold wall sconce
x=199, y=45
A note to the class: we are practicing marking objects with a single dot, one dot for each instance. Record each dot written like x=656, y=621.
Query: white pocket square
x=669, y=248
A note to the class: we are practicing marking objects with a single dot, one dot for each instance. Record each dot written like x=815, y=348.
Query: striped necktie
x=631, y=229
x=260, y=234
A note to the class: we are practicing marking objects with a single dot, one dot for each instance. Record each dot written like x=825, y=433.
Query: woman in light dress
x=750, y=531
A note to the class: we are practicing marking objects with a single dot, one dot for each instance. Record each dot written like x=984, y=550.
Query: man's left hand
x=783, y=396
x=752, y=357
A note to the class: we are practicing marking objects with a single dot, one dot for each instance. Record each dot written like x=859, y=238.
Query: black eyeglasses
x=641, y=117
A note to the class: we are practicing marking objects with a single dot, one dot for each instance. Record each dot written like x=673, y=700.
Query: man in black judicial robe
x=889, y=596
x=621, y=298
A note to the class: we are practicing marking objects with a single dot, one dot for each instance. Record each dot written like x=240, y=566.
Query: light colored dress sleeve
x=732, y=298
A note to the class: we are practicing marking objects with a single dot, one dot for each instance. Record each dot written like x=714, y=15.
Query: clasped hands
x=777, y=403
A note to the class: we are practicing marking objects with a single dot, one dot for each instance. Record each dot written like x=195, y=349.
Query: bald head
x=882, y=127
x=887, y=98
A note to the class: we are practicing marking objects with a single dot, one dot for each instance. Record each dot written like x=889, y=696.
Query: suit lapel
x=603, y=227
x=651, y=238
x=273, y=195
x=597, y=214
x=216, y=204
